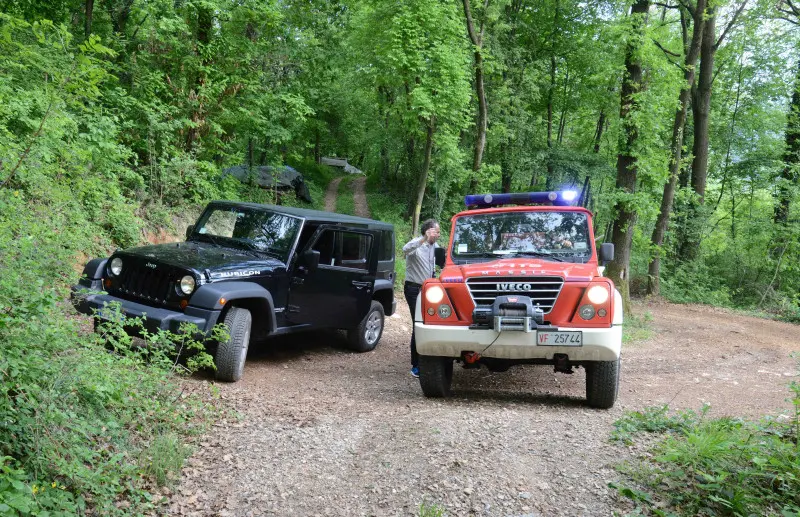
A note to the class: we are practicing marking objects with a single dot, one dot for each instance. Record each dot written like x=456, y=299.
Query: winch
x=509, y=313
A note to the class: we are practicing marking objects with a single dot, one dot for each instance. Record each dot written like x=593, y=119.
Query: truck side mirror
x=439, y=255
x=606, y=253
x=189, y=231
x=310, y=260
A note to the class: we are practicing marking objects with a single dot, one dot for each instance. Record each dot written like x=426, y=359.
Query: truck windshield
x=248, y=228
x=555, y=236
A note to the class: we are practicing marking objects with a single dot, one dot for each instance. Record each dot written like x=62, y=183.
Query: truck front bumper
x=603, y=344
x=155, y=318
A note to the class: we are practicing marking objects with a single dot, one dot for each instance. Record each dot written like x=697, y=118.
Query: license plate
x=548, y=338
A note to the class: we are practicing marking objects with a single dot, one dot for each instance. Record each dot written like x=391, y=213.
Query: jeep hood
x=570, y=272
x=211, y=262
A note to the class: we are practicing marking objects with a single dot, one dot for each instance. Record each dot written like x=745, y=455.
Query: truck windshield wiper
x=544, y=254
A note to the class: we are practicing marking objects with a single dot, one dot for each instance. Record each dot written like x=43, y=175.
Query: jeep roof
x=312, y=215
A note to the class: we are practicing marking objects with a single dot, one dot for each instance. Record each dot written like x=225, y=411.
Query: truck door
x=338, y=292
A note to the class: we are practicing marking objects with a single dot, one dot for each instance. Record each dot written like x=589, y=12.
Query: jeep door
x=336, y=293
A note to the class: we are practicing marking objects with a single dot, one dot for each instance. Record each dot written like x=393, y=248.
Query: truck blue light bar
x=562, y=198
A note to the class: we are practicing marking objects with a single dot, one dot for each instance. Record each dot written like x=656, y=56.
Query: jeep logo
x=513, y=287
x=150, y=265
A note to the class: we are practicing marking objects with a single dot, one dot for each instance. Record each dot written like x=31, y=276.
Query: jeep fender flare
x=384, y=294
x=94, y=269
x=208, y=297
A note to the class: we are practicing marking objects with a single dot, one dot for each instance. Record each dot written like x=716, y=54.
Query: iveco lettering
x=262, y=270
x=522, y=283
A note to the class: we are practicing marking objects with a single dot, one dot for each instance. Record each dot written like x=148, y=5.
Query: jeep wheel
x=365, y=337
x=602, y=383
x=231, y=354
x=435, y=375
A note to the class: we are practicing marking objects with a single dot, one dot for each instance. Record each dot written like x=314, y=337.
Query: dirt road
x=323, y=431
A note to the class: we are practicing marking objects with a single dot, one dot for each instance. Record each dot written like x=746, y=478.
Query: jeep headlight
x=187, y=284
x=434, y=294
x=598, y=294
x=116, y=266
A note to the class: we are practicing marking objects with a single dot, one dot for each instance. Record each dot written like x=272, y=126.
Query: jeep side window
x=354, y=250
x=387, y=246
x=343, y=249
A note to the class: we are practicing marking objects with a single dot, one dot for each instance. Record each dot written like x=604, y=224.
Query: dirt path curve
x=323, y=431
x=360, y=196
x=330, y=195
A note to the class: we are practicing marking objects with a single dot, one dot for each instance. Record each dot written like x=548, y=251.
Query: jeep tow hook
x=561, y=364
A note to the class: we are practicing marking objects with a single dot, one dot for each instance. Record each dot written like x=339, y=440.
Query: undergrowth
x=637, y=328
x=345, y=200
x=722, y=466
x=83, y=429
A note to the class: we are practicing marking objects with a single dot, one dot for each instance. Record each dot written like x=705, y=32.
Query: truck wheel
x=435, y=375
x=602, y=383
x=365, y=337
x=231, y=354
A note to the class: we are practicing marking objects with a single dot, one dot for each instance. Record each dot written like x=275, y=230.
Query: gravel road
x=323, y=431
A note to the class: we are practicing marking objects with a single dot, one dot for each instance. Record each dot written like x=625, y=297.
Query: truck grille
x=542, y=290
x=145, y=283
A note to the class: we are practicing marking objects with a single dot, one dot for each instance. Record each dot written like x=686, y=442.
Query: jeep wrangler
x=262, y=270
x=522, y=283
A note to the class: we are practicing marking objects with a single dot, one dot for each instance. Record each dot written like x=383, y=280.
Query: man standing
x=420, y=264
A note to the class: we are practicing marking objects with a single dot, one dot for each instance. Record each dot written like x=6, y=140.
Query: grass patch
x=430, y=510
x=637, y=328
x=163, y=458
x=345, y=200
x=723, y=466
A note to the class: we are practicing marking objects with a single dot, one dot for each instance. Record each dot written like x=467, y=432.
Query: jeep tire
x=231, y=354
x=366, y=335
x=435, y=375
x=602, y=383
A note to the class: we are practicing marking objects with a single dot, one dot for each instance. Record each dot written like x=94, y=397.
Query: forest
x=679, y=119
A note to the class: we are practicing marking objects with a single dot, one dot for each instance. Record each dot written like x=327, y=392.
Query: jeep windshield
x=548, y=235
x=248, y=228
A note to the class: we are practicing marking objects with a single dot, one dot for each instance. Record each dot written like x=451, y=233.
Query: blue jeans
x=411, y=292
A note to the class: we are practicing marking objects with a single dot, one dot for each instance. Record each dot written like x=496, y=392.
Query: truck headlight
x=434, y=294
x=187, y=284
x=116, y=266
x=598, y=294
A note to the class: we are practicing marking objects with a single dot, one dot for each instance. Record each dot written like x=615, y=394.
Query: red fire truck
x=522, y=283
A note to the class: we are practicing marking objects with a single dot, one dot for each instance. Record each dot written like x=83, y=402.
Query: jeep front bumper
x=155, y=318
x=599, y=344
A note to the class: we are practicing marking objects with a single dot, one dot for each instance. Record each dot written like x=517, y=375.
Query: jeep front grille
x=145, y=283
x=543, y=290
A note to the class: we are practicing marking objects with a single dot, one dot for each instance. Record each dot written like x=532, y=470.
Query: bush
x=722, y=466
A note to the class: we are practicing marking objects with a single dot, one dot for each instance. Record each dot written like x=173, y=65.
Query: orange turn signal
x=184, y=304
x=222, y=301
x=107, y=283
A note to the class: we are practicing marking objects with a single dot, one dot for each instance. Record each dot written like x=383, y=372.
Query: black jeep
x=262, y=270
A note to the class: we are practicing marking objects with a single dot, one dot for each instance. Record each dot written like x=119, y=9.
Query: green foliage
x=345, y=200
x=637, y=328
x=714, y=467
x=430, y=510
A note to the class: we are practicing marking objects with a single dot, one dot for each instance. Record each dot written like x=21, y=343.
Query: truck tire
x=365, y=337
x=435, y=375
x=602, y=383
x=231, y=354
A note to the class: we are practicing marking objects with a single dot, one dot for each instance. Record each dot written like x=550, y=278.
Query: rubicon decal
x=230, y=274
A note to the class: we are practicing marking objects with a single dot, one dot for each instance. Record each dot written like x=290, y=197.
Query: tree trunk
x=627, y=162
x=87, y=24
x=550, y=92
x=598, y=132
x=701, y=107
x=422, y=180
x=205, y=20
x=790, y=177
x=662, y=222
x=480, y=136
x=505, y=174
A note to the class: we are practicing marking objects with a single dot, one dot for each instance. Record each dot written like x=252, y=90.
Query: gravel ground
x=323, y=431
